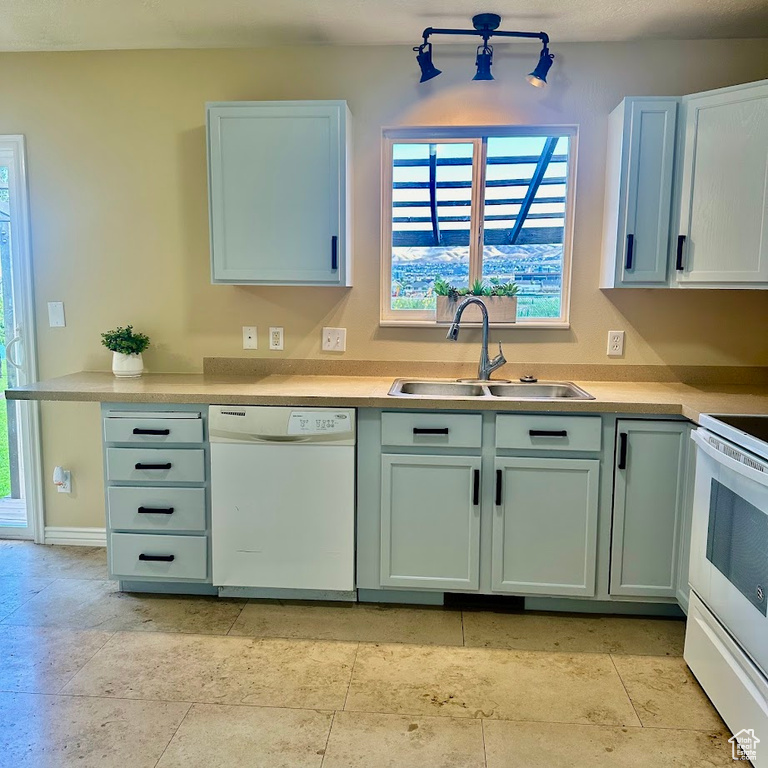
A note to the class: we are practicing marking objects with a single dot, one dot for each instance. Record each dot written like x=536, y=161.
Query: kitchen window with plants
x=478, y=211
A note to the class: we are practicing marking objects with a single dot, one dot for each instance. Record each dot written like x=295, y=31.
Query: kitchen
x=119, y=146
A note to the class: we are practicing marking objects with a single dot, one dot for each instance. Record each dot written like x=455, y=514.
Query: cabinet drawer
x=157, y=465
x=151, y=431
x=184, y=557
x=177, y=509
x=549, y=432
x=449, y=430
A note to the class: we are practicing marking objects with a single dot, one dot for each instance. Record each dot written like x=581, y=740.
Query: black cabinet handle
x=680, y=245
x=623, y=442
x=157, y=558
x=630, y=252
x=155, y=510
x=475, y=487
x=334, y=252
x=547, y=433
x=498, y=487
x=152, y=466
x=430, y=430
x=140, y=431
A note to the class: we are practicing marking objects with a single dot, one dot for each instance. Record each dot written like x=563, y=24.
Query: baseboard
x=76, y=537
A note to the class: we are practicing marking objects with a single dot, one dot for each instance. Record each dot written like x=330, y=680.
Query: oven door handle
x=727, y=461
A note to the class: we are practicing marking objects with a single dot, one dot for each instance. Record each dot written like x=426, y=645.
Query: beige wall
x=116, y=151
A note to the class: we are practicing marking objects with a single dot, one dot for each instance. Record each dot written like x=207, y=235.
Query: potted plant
x=126, y=347
x=500, y=300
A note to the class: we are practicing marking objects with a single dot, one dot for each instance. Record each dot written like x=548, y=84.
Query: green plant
x=503, y=289
x=125, y=341
x=478, y=288
x=442, y=287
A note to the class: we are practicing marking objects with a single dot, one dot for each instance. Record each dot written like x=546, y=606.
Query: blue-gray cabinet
x=545, y=526
x=649, y=496
x=278, y=182
x=639, y=173
x=430, y=521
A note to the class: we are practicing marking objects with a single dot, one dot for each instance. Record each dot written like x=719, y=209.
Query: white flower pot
x=127, y=366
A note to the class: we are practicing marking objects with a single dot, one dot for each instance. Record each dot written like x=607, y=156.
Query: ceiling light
x=539, y=75
x=486, y=25
x=424, y=59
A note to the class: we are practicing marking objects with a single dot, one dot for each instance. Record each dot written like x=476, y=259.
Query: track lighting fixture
x=486, y=26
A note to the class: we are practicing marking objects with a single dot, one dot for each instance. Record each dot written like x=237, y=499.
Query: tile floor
x=93, y=677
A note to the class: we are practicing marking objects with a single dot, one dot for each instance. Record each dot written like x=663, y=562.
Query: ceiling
x=54, y=25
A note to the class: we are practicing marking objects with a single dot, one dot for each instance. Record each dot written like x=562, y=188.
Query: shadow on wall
x=684, y=326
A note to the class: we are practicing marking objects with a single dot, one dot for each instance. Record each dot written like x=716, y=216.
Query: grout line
x=463, y=639
x=328, y=738
x=88, y=660
x=485, y=750
x=165, y=749
x=621, y=680
x=234, y=621
x=351, y=673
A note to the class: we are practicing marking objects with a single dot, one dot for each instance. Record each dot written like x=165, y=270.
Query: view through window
x=491, y=207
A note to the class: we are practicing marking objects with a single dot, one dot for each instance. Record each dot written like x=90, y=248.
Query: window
x=467, y=204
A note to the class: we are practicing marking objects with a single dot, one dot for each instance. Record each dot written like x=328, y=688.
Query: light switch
x=56, y=314
x=334, y=339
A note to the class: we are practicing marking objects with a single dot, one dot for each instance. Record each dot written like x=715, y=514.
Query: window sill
x=557, y=325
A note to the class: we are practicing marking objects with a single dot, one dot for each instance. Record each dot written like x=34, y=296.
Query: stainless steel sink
x=457, y=390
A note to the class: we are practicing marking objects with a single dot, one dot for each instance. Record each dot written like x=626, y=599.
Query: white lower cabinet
x=545, y=526
x=430, y=522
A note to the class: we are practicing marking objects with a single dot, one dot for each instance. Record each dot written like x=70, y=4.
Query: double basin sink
x=489, y=390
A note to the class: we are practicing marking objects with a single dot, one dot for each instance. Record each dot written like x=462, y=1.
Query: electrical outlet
x=334, y=339
x=250, y=337
x=615, y=343
x=56, y=314
x=276, y=337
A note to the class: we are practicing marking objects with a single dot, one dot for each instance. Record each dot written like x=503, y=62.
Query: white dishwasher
x=282, y=497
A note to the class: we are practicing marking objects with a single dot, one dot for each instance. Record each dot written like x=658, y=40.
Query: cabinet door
x=724, y=198
x=545, y=526
x=649, y=486
x=277, y=183
x=430, y=521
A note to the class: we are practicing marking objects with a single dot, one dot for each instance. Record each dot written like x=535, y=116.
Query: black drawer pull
x=623, y=444
x=475, y=487
x=680, y=245
x=155, y=510
x=153, y=466
x=430, y=430
x=548, y=433
x=334, y=253
x=498, y=487
x=140, y=431
x=630, y=251
x=157, y=558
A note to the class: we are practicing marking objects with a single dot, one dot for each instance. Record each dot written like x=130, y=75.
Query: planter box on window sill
x=501, y=309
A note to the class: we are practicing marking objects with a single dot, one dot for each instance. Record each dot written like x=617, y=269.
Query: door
x=277, y=174
x=723, y=238
x=649, y=491
x=20, y=475
x=430, y=522
x=545, y=526
x=645, y=239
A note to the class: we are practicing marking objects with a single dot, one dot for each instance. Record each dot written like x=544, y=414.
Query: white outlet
x=250, y=337
x=615, y=343
x=334, y=339
x=276, y=337
x=56, y=314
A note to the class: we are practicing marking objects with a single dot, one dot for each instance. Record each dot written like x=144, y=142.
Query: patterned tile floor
x=93, y=677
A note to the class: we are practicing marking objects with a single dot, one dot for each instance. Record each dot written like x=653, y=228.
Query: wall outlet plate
x=250, y=337
x=276, y=337
x=334, y=340
x=56, y=314
x=615, y=344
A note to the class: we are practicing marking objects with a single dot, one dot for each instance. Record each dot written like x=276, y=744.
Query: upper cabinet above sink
x=278, y=192
x=686, y=201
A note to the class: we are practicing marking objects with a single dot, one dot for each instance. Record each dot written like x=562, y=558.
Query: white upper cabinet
x=723, y=235
x=641, y=153
x=278, y=192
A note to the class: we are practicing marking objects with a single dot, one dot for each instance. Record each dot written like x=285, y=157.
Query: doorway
x=21, y=509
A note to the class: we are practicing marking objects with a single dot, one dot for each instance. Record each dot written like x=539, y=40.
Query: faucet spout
x=486, y=366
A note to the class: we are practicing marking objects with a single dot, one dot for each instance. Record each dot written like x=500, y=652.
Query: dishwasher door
x=283, y=515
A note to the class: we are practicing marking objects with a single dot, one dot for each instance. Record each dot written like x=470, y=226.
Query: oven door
x=729, y=541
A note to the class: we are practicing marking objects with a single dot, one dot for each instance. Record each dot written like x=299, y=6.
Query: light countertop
x=664, y=398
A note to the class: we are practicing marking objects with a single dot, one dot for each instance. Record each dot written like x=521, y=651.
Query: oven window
x=737, y=543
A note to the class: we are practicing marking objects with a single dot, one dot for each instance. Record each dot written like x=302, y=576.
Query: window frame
x=477, y=135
